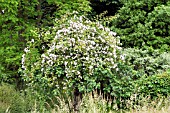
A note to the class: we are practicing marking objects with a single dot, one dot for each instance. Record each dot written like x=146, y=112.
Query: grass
x=12, y=102
x=99, y=105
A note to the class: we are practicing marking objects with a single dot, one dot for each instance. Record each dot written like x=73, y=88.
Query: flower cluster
x=82, y=42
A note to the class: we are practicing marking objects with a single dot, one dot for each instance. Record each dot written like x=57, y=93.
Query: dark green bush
x=143, y=24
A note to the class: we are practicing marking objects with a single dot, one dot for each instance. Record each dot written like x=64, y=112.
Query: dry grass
x=152, y=110
x=158, y=106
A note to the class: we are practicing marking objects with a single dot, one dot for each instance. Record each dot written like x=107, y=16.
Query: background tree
x=15, y=22
x=143, y=24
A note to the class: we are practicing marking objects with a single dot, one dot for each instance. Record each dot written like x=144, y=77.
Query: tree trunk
x=77, y=97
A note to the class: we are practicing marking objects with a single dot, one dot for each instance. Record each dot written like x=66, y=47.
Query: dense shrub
x=136, y=85
x=75, y=48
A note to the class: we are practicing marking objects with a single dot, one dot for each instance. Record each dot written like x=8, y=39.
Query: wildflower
x=43, y=60
x=43, y=47
x=122, y=57
x=112, y=33
x=32, y=40
x=3, y=11
x=65, y=63
x=42, y=69
x=93, y=42
x=26, y=50
x=90, y=67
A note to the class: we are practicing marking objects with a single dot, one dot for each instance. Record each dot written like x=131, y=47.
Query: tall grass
x=97, y=104
x=12, y=101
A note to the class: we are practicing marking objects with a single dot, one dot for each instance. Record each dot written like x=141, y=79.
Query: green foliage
x=155, y=86
x=75, y=49
x=81, y=6
x=121, y=85
x=157, y=24
x=143, y=24
x=132, y=78
x=18, y=18
x=148, y=61
x=68, y=60
x=15, y=26
x=12, y=101
x=123, y=88
x=70, y=51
